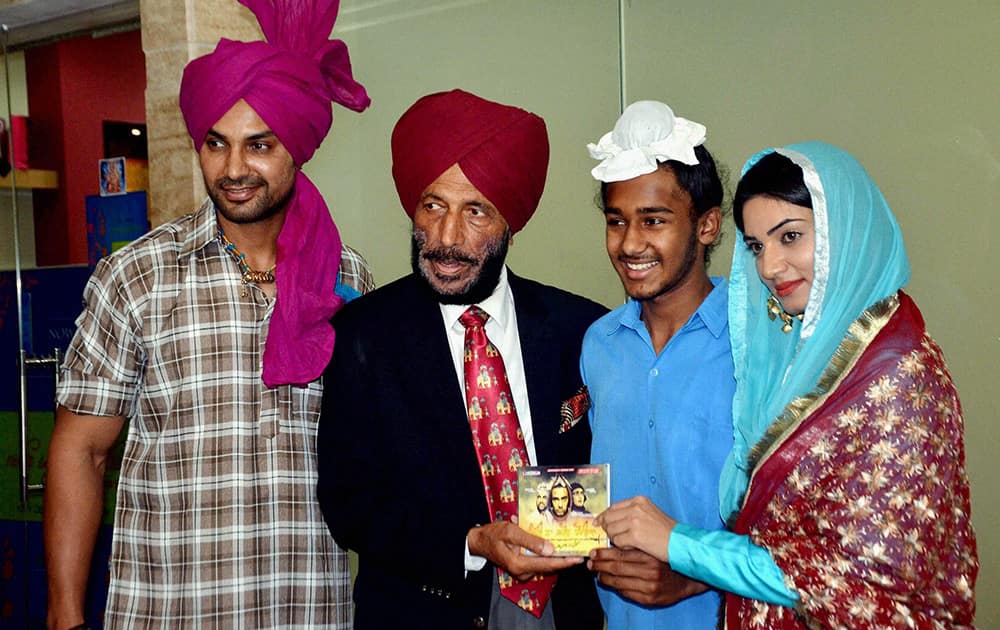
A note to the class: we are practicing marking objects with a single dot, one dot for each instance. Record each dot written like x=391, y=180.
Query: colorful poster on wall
x=112, y=171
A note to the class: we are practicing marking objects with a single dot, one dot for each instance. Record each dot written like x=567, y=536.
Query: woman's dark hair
x=701, y=181
x=774, y=175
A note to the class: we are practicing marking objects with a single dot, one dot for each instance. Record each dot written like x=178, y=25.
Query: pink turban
x=503, y=151
x=289, y=81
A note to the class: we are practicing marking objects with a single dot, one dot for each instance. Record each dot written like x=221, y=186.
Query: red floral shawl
x=861, y=495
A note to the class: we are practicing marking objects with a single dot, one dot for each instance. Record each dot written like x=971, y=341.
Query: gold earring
x=775, y=311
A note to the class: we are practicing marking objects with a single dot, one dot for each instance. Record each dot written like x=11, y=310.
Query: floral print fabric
x=864, y=503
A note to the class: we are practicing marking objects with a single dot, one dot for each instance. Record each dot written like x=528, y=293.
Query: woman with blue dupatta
x=846, y=488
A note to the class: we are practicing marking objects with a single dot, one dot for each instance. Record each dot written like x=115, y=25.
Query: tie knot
x=474, y=316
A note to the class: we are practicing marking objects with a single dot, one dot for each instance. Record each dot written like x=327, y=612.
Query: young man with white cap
x=659, y=368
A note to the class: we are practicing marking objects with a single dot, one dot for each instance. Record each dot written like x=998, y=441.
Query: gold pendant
x=775, y=311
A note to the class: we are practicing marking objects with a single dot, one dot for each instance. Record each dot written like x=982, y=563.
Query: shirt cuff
x=472, y=563
x=729, y=562
x=91, y=395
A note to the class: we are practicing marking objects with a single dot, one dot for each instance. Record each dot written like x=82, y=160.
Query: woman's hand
x=638, y=524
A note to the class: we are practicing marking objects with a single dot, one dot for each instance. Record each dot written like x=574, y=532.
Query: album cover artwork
x=560, y=504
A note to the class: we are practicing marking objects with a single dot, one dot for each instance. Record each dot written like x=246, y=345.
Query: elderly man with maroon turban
x=209, y=336
x=439, y=377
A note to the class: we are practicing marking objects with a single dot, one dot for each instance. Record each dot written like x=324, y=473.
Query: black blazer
x=399, y=480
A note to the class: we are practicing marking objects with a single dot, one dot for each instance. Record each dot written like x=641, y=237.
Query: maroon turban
x=289, y=81
x=503, y=151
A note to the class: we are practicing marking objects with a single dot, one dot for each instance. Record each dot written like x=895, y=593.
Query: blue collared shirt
x=664, y=423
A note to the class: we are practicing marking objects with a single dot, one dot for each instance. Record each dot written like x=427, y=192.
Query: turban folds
x=503, y=151
x=289, y=81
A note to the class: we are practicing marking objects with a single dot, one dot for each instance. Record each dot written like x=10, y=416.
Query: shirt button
x=650, y=423
x=652, y=479
x=654, y=372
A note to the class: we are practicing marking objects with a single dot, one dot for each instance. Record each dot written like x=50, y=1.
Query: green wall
x=910, y=88
x=40, y=432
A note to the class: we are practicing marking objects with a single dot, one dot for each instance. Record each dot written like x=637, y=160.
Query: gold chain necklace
x=250, y=275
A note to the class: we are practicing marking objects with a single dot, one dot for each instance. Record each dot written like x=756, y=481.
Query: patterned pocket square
x=573, y=409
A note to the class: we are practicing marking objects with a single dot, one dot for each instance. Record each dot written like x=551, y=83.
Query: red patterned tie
x=499, y=442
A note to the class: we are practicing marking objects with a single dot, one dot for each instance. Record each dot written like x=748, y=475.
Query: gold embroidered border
x=859, y=336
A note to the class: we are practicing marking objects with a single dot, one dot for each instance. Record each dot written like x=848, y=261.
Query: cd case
x=560, y=504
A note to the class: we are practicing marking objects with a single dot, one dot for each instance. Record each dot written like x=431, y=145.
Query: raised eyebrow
x=783, y=224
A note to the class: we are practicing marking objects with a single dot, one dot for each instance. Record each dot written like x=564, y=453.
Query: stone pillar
x=173, y=33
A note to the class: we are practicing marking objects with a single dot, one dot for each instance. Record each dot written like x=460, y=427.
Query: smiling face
x=460, y=239
x=653, y=239
x=781, y=236
x=248, y=172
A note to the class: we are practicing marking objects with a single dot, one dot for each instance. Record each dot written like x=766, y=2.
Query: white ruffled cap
x=647, y=133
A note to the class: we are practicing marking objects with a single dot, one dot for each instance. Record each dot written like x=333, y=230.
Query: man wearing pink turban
x=470, y=173
x=209, y=335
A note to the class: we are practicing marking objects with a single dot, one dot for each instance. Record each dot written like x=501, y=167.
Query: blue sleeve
x=346, y=292
x=728, y=562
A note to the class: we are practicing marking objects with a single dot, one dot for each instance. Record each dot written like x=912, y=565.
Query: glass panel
x=48, y=306
x=18, y=104
x=20, y=511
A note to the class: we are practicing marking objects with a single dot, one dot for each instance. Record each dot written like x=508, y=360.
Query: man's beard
x=687, y=264
x=479, y=287
x=261, y=207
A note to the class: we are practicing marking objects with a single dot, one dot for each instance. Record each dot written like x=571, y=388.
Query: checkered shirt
x=217, y=523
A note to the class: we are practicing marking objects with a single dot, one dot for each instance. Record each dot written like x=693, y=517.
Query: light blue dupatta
x=859, y=260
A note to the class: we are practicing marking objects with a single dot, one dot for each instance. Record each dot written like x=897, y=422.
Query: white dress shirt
x=501, y=329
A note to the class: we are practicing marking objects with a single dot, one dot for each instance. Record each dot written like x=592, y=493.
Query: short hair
x=775, y=176
x=701, y=181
